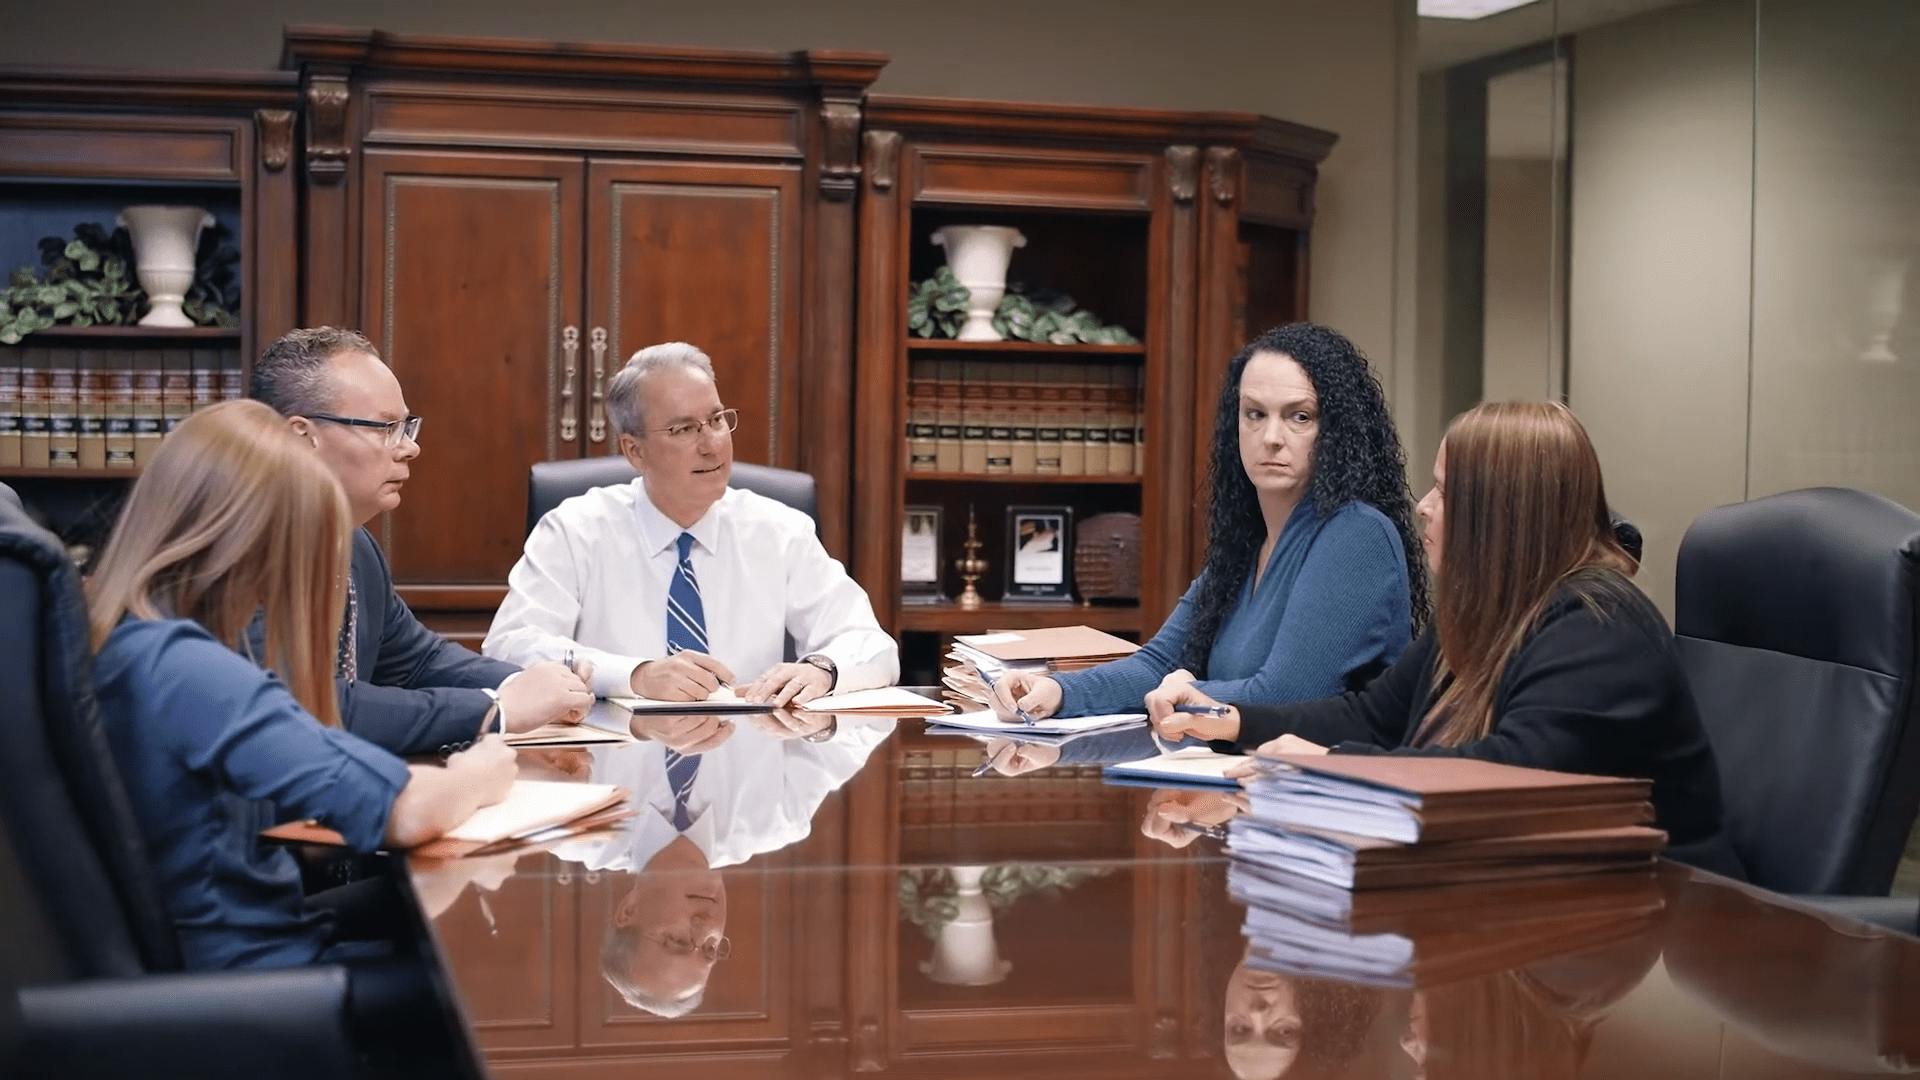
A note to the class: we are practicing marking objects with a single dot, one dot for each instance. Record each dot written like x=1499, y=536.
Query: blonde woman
x=233, y=516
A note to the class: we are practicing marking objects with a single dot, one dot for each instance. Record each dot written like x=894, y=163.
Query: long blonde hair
x=1526, y=511
x=234, y=514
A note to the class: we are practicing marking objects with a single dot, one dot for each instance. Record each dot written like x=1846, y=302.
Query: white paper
x=1195, y=764
x=723, y=699
x=878, y=700
x=530, y=806
x=988, y=720
x=977, y=640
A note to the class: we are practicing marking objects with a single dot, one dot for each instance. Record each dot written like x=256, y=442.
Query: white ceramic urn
x=964, y=952
x=979, y=255
x=164, y=241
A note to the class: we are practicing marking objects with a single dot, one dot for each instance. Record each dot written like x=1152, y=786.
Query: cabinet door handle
x=597, y=419
x=570, y=350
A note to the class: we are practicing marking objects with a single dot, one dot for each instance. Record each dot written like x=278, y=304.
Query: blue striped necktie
x=681, y=769
x=686, y=618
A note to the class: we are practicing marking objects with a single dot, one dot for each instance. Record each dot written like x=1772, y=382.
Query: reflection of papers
x=723, y=699
x=1192, y=765
x=881, y=701
x=986, y=720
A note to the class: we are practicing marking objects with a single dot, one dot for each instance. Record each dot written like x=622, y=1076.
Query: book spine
x=922, y=448
x=1120, y=420
x=999, y=422
x=206, y=378
x=974, y=403
x=1048, y=416
x=947, y=415
x=93, y=410
x=1099, y=431
x=1073, y=420
x=232, y=386
x=63, y=405
x=119, y=410
x=1024, y=412
x=148, y=378
x=176, y=387
x=10, y=406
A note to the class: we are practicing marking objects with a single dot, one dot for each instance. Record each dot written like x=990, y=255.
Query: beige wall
x=1335, y=64
x=1522, y=343
x=1658, y=303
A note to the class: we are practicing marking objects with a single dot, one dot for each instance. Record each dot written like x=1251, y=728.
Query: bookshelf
x=83, y=406
x=1181, y=228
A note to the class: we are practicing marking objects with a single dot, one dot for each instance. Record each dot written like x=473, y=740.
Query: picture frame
x=1040, y=553
x=921, y=554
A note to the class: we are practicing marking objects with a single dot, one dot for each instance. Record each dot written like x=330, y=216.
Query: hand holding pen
x=1183, y=711
x=1029, y=698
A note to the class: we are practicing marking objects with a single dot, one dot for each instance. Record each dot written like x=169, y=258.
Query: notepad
x=723, y=699
x=1189, y=766
x=989, y=721
x=882, y=701
x=533, y=806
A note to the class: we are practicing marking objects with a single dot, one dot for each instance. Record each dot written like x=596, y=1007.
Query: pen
x=675, y=650
x=985, y=766
x=1217, y=832
x=1203, y=710
x=569, y=662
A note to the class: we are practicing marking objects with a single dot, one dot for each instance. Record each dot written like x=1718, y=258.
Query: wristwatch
x=826, y=664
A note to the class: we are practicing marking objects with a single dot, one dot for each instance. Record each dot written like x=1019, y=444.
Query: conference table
x=857, y=895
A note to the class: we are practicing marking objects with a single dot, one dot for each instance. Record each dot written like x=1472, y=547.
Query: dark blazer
x=417, y=692
x=1588, y=691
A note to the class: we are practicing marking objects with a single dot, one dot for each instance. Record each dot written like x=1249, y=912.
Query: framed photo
x=920, y=555
x=1039, y=549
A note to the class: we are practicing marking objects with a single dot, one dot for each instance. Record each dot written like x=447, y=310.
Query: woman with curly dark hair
x=1314, y=581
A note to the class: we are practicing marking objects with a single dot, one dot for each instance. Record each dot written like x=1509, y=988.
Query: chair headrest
x=1821, y=573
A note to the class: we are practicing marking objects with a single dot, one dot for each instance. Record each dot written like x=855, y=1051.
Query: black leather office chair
x=92, y=967
x=552, y=482
x=1628, y=534
x=1798, y=621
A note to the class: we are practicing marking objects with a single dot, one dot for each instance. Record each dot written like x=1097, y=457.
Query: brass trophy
x=971, y=566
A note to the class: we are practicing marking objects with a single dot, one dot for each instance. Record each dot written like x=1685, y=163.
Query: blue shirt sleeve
x=1349, y=610
x=1121, y=685
x=228, y=718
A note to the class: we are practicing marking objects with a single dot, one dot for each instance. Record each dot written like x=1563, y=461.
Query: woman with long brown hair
x=233, y=516
x=1541, y=653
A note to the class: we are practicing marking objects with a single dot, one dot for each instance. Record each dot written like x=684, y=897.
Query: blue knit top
x=1333, y=602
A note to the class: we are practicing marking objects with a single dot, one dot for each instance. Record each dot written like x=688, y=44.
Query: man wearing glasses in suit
x=401, y=685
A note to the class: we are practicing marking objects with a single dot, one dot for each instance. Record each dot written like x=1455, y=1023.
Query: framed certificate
x=1039, y=539
x=920, y=555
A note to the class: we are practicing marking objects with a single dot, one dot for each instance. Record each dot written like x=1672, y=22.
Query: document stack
x=1427, y=936
x=534, y=812
x=977, y=661
x=1365, y=821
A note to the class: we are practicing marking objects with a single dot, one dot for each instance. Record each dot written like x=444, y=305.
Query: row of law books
x=1015, y=419
x=104, y=408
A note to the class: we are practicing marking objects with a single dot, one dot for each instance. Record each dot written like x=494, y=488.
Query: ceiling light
x=1467, y=9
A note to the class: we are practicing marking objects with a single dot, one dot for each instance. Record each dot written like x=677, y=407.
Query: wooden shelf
x=1023, y=348
x=993, y=615
x=17, y=473
x=1015, y=479
x=133, y=333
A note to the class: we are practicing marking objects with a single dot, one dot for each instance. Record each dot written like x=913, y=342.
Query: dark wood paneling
x=512, y=954
x=123, y=147
x=879, y=376
x=1166, y=497
x=491, y=116
x=706, y=254
x=471, y=274
x=987, y=176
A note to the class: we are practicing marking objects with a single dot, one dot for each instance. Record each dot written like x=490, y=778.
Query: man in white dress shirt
x=673, y=583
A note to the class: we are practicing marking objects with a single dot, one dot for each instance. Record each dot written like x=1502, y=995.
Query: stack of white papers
x=1190, y=766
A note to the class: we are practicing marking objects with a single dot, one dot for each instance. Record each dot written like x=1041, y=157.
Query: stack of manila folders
x=1408, y=870
x=977, y=661
x=534, y=812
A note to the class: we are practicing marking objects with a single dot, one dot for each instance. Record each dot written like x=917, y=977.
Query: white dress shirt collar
x=659, y=532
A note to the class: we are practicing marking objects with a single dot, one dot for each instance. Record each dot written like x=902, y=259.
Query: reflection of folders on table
x=534, y=811
x=1358, y=862
x=1416, y=937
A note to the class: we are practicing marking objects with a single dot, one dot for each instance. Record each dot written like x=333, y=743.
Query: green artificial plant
x=88, y=281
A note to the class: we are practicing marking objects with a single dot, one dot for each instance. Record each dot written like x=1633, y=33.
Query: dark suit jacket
x=417, y=693
x=1588, y=691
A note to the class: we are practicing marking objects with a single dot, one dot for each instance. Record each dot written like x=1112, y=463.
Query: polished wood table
x=857, y=901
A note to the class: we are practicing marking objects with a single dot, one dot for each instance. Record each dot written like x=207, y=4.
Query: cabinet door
x=470, y=287
x=705, y=254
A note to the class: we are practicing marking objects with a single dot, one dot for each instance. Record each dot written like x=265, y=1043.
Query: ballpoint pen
x=1204, y=710
x=1019, y=713
x=1217, y=832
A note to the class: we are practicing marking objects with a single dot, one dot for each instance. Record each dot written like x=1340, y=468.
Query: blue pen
x=1203, y=710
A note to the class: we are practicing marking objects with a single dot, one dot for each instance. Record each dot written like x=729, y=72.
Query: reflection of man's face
x=677, y=912
x=1263, y=1024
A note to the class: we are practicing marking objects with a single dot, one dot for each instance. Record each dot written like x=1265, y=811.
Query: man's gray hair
x=292, y=373
x=616, y=966
x=623, y=393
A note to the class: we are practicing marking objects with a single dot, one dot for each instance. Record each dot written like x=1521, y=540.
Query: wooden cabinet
x=1186, y=229
x=509, y=221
